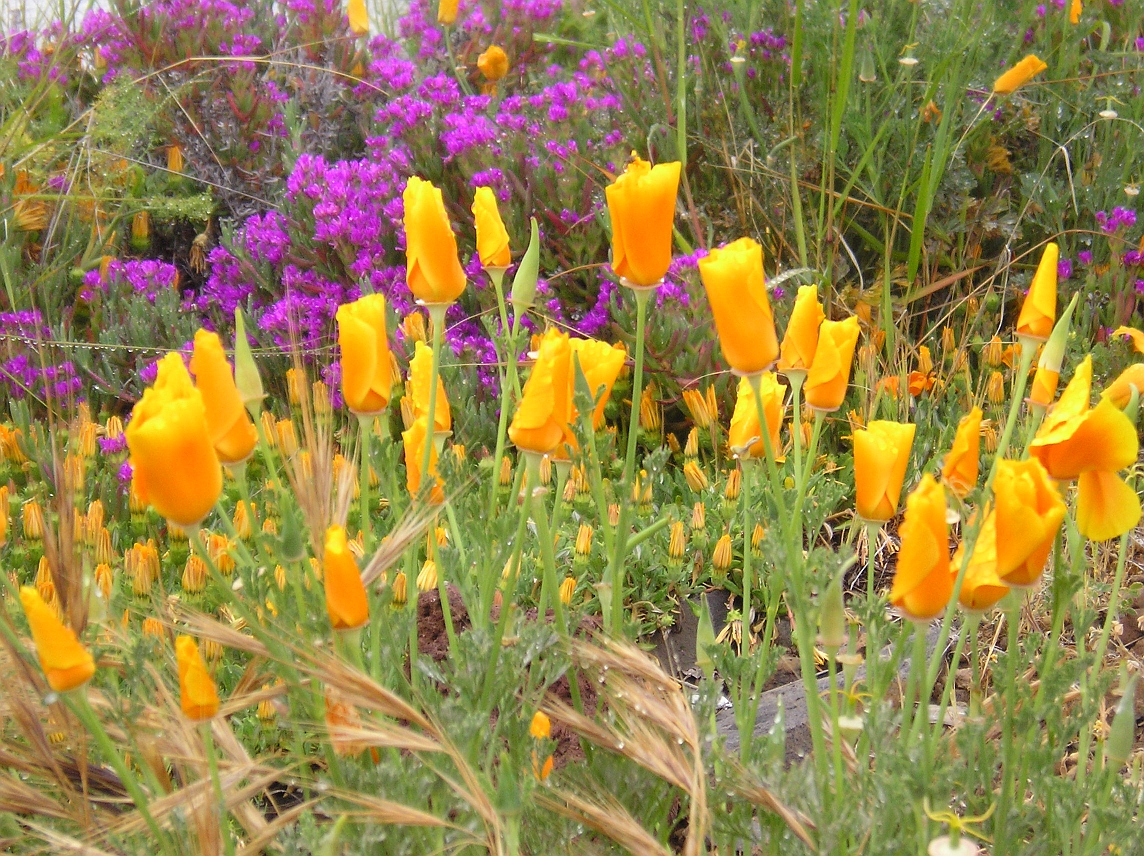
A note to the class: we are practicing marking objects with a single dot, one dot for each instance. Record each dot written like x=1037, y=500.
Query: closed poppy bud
x=745, y=437
x=492, y=237
x=641, y=204
x=366, y=367
x=881, y=455
x=995, y=388
x=231, y=430
x=982, y=587
x=1029, y=512
x=721, y=559
x=696, y=478
x=1039, y=311
x=175, y=466
x=733, y=278
x=446, y=11
x=414, y=439
x=197, y=693
x=346, y=600
x=420, y=377
x=1119, y=392
x=1075, y=10
x=830, y=373
x=493, y=63
x=601, y=364
x=541, y=726
x=567, y=589
x=801, y=339
x=962, y=464
x=66, y=663
x=432, y=270
x=925, y=360
x=1019, y=75
x=358, y=17
x=540, y=423
x=922, y=582
x=1075, y=439
x=993, y=351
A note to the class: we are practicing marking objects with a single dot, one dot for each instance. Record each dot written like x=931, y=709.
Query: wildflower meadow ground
x=571, y=426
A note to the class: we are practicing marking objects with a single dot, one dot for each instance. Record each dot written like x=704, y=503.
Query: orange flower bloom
x=420, y=378
x=830, y=372
x=733, y=278
x=66, y=663
x=881, y=455
x=493, y=63
x=982, y=587
x=922, y=582
x=432, y=270
x=492, y=237
x=1039, y=312
x=963, y=461
x=358, y=17
x=1018, y=75
x=367, y=376
x=176, y=468
x=414, y=439
x=1119, y=392
x=231, y=431
x=1075, y=438
x=745, y=438
x=1106, y=507
x=641, y=203
x=1029, y=511
x=601, y=364
x=346, y=599
x=801, y=339
x=198, y=695
x=540, y=423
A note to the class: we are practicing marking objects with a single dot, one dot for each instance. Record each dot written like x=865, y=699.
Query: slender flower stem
x=1028, y=348
x=796, y=379
x=509, y=382
x=437, y=317
x=748, y=579
x=873, y=643
x=216, y=783
x=365, y=426
x=620, y=543
x=549, y=585
x=82, y=708
x=755, y=381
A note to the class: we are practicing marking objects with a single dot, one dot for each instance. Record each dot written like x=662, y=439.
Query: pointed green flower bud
x=524, y=283
x=246, y=376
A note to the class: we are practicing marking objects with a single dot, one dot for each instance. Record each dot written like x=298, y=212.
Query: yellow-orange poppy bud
x=420, y=378
x=1076, y=7
x=567, y=589
x=1039, y=311
x=1029, y=511
x=962, y=464
x=366, y=367
x=745, y=437
x=346, y=600
x=231, y=431
x=433, y=270
x=175, y=466
x=641, y=203
x=1017, y=76
x=541, y=726
x=981, y=587
x=492, y=237
x=737, y=292
x=721, y=558
x=881, y=455
x=696, y=478
x=198, y=695
x=830, y=372
x=493, y=63
x=446, y=11
x=1119, y=392
x=601, y=364
x=414, y=440
x=66, y=663
x=358, y=17
x=922, y=582
x=540, y=423
x=801, y=338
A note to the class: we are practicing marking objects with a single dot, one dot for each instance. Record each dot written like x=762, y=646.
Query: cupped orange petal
x=922, y=583
x=801, y=339
x=367, y=375
x=829, y=374
x=1106, y=507
x=1039, y=311
x=198, y=695
x=433, y=271
x=962, y=464
x=66, y=663
x=641, y=203
x=881, y=455
x=231, y=431
x=346, y=601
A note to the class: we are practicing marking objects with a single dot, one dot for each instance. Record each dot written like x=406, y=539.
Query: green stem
x=1008, y=722
x=1111, y=613
x=549, y=586
x=216, y=783
x=796, y=378
x=916, y=682
x=615, y=572
x=873, y=643
x=755, y=381
x=1028, y=347
x=82, y=708
x=508, y=382
x=365, y=426
x=748, y=579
